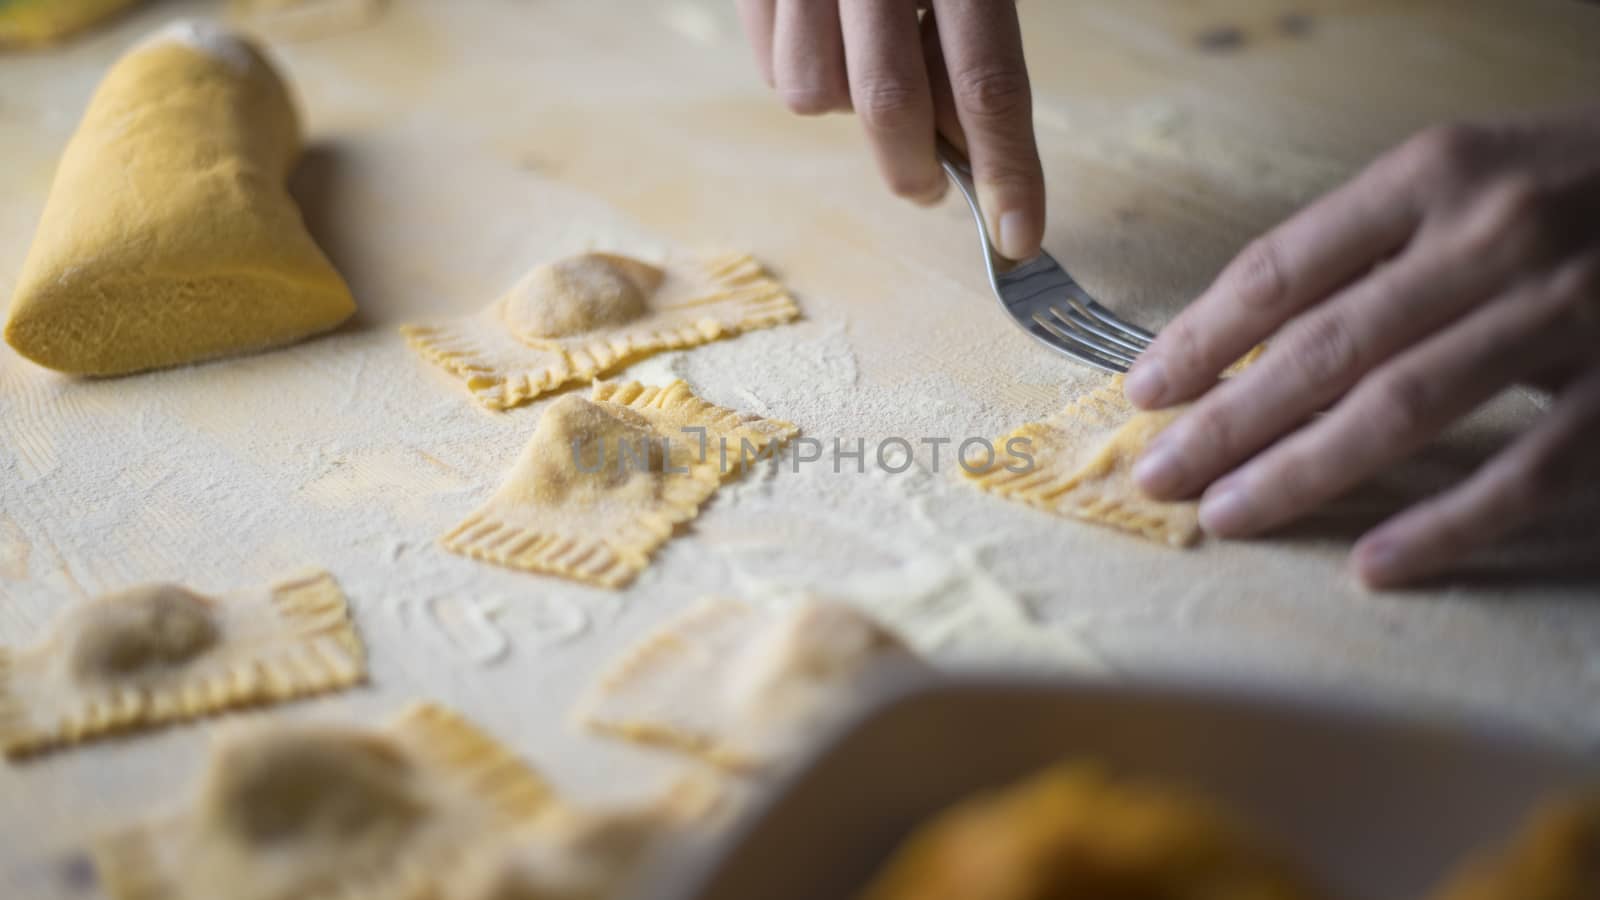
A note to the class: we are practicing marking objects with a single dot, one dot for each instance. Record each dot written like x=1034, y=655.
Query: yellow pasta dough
x=581, y=854
x=162, y=653
x=576, y=318
x=1557, y=857
x=1082, y=460
x=605, y=480
x=37, y=22
x=740, y=687
x=304, y=812
x=1080, y=464
x=169, y=236
x=1072, y=832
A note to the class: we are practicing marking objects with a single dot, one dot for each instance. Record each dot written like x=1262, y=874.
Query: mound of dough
x=142, y=632
x=742, y=688
x=162, y=653
x=169, y=236
x=1071, y=832
x=605, y=480
x=1557, y=857
x=577, y=318
x=580, y=295
x=30, y=23
x=289, y=812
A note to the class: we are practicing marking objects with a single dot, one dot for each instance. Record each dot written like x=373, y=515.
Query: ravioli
x=742, y=688
x=1556, y=857
x=582, y=854
x=1082, y=462
x=1080, y=465
x=169, y=236
x=1073, y=832
x=161, y=654
x=304, y=812
x=605, y=480
x=577, y=318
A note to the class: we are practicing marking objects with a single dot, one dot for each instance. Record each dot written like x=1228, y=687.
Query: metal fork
x=1044, y=300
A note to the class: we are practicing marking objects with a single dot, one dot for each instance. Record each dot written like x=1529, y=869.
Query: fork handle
x=959, y=169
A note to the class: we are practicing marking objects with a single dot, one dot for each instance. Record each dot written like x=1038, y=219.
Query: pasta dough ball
x=169, y=236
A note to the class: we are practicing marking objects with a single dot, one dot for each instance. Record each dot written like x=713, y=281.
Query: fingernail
x=1225, y=511
x=1015, y=240
x=1378, y=561
x=1146, y=384
x=1158, y=473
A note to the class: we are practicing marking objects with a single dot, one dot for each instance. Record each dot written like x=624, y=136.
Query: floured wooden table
x=453, y=146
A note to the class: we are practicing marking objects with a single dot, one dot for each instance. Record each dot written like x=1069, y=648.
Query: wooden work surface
x=454, y=145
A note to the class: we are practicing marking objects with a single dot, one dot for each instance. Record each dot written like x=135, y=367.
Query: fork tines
x=1094, y=331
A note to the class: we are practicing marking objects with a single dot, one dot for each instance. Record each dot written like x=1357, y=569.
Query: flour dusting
x=209, y=38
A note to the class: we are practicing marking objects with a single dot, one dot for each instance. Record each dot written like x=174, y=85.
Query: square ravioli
x=743, y=688
x=591, y=854
x=1081, y=464
x=577, y=318
x=605, y=480
x=162, y=653
x=306, y=811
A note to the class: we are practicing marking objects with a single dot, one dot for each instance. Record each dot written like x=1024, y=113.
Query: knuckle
x=1259, y=279
x=887, y=104
x=1400, y=405
x=1508, y=223
x=1183, y=350
x=1448, y=152
x=1000, y=93
x=1324, y=350
x=1297, y=480
x=1009, y=176
x=1212, y=432
x=1514, y=202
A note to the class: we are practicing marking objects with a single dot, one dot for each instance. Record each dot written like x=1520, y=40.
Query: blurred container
x=1375, y=802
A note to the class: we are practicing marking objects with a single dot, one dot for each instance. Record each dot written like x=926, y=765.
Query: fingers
x=1398, y=407
x=1557, y=456
x=758, y=17
x=890, y=91
x=982, y=51
x=946, y=120
x=1293, y=267
x=808, y=65
x=1313, y=362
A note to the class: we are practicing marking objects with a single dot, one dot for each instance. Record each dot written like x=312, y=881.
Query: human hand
x=1461, y=263
x=963, y=74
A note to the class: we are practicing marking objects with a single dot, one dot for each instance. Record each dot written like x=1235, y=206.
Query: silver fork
x=1044, y=300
